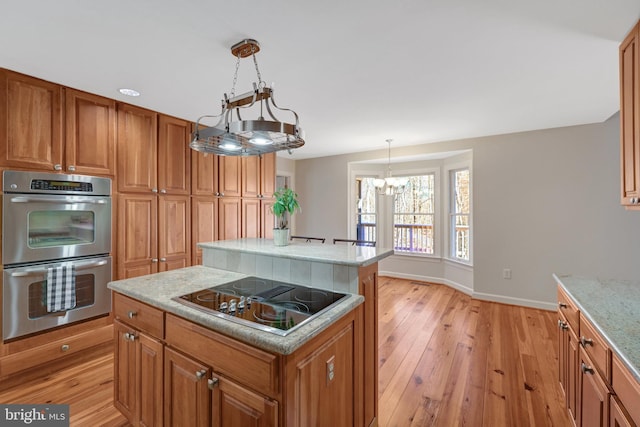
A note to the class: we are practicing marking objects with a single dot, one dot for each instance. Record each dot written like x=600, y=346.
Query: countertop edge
x=635, y=371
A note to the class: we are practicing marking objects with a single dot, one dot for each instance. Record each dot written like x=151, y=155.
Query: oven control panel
x=49, y=185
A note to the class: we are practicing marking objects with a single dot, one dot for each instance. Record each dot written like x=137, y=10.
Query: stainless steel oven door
x=24, y=296
x=41, y=227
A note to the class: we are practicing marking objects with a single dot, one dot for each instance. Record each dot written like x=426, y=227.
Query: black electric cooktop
x=264, y=304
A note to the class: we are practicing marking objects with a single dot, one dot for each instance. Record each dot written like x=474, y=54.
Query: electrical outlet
x=331, y=369
x=506, y=273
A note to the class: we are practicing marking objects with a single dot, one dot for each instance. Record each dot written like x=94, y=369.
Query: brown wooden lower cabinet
x=206, y=378
x=593, y=395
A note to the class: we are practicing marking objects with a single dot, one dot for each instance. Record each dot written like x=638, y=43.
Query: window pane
x=414, y=214
x=460, y=214
x=366, y=211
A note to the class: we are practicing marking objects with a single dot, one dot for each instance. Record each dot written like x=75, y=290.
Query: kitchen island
x=204, y=369
x=599, y=348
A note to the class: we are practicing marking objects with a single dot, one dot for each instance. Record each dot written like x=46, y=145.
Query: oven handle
x=57, y=200
x=40, y=271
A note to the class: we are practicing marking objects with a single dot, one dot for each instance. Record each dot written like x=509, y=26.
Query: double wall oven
x=56, y=241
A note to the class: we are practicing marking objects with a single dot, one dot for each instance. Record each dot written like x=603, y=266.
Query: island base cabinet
x=186, y=394
x=594, y=395
x=236, y=406
x=138, y=376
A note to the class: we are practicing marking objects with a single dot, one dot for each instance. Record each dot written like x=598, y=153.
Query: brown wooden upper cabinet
x=32, y=125
x=229, y=178
x=630, y=119
x=258, y=176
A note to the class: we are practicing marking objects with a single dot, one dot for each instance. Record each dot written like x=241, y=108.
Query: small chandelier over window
x=390, y=185
x=240, y=137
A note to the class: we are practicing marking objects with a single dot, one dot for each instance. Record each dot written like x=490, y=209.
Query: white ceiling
x=356, y=71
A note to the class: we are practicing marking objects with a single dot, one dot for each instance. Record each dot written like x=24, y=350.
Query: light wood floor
x=445, y=360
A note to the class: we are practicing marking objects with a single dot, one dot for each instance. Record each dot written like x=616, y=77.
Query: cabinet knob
x=587, y=369
x=163, y=260
x=163, y=191
x=563, y=325
x=222, y=194
x=201, y=374
x=212, y=383
x=65, y=347
x=72, y=168
x=562, y=305
x=128, y=336
x=586, y=341
x=131, y=314
x=154, y=260
x=154, y=190
x=57, y=167
x=217, y=193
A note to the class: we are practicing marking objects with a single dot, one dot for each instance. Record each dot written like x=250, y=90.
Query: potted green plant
x=284, y=205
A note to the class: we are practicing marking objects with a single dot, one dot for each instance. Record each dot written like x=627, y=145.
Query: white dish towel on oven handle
x=61, y=288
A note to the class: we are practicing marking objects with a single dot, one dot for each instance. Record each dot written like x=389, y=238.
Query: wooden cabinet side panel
x=186, y=397
x=137, y=149
x=90, y=133
x=368, y=287
x=630, y=115
x=174, y=156
x=31, y=122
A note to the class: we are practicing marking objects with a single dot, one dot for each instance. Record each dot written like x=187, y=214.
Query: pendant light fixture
x=390, y=185
x=242, y=137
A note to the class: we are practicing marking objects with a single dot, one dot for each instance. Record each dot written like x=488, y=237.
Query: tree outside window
x=366, y=209
x=414, y=216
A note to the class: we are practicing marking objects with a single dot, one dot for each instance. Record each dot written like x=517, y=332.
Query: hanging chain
x=261, y=84
x=235, y=78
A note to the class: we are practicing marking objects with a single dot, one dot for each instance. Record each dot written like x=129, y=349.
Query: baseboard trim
x=437, y=280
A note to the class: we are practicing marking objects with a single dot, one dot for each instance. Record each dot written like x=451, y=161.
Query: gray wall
x=544, y=202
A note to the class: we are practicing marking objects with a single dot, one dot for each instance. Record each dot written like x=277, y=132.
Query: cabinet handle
x=201, y=374
x=163, y=260
x=129, y=336
x=587, y=369
x=163, y=191
x=132, y=314
x=563, y=325
x=65, y=347
x=72, y=168
x=57, y=167
x=562, y=305
x=212, y=383
x=586, y=341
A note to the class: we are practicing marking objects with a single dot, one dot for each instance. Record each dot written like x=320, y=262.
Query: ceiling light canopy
x=242, y=137
x=390, y=185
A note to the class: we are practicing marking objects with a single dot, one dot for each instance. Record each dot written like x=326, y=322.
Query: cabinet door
x=236, y=406
x=368, y=287
x=31, y=122
x=150, y=368
x=174, y=156
x=187, y=400
x=91, y=133
x=229, y=176
x=137, y=149
x=174, y=231
x=630, y=116
x=573, y=374
x=137, y=233
x=124, y=374
x=250, y=218
x=250, y=166
x=594, y=395
x=204, y=174
x=618, y=417
x=267, y=219
x=268, y=175
x=229, y=226
x=204, y=224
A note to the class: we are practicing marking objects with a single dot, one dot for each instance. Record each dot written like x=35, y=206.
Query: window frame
x=451, y=231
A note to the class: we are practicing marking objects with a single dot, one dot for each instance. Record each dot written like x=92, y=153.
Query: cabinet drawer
x=569, y=309
x=254, y=368
x=596, y=347
x=139, y=315
x=626, y=387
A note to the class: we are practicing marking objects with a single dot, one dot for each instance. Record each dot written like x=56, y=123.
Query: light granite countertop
x=158, y=289
x=341, y=254
x=613, y=307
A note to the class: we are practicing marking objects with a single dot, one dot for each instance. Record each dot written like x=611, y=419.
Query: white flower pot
x=280, y=237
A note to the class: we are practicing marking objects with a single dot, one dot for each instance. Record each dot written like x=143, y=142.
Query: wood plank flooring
x=445, y=360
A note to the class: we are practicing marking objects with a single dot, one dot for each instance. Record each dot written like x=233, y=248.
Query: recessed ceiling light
x=129, y=92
